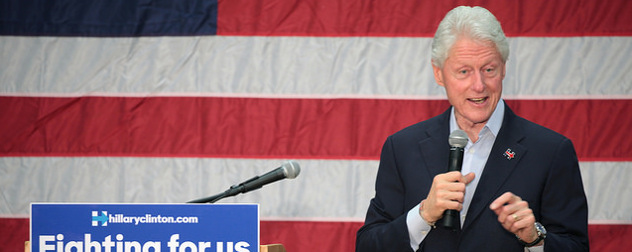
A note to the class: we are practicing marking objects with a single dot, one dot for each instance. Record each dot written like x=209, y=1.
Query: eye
x=489, y=71
x=462, y=73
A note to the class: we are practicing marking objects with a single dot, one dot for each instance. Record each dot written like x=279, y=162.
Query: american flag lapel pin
x=509, y=154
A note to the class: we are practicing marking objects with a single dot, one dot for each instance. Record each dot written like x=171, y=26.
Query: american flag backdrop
x=166, y=101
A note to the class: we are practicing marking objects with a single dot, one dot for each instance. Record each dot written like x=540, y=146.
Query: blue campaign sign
x=145, y=227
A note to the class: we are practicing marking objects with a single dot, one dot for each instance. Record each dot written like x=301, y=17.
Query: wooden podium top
x=272, y=248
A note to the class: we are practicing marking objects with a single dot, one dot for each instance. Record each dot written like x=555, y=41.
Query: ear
x=438, y=75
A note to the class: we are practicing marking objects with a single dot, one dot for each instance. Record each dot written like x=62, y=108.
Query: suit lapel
x=499, y=166
x=435, y=148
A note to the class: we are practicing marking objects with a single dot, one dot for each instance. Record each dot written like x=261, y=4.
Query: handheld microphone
x=458, y=140
x=289, y=169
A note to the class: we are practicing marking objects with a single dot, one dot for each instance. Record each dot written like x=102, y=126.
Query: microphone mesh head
x=458, y=138
x=291, y=169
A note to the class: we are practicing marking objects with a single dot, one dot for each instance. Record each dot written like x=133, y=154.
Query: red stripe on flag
x=300, y=236
x=610, y=237
x=270, y=128
x=419, y=18
x=310, y=236
x=14, y=232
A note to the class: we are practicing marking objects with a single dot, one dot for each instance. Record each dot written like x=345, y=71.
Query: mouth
x=478, y=100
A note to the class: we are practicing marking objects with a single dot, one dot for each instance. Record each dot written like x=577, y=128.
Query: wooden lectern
x=262, y=248
x=272, y=248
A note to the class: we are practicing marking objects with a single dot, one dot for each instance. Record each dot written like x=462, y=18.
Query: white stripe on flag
x=324, y=190
x=364, y=67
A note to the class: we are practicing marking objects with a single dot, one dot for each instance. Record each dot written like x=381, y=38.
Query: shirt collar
x=493, y=124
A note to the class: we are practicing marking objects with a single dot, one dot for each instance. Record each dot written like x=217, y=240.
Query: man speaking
x=519, y=188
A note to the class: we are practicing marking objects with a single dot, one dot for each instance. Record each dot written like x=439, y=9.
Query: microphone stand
x=232, y=191
x=210, y=199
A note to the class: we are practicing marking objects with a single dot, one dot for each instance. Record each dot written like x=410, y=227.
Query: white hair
x=476, y=23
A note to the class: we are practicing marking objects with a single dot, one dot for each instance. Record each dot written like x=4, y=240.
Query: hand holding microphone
x=458, y=139
x=448, y=189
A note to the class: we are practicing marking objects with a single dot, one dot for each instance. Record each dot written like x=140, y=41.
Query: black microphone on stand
x=458, y=140
x=289, y=169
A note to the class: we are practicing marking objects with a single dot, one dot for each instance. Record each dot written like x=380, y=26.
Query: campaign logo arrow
x=96, y=218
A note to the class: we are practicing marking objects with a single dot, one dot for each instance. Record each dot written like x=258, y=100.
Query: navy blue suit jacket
x=544, y=172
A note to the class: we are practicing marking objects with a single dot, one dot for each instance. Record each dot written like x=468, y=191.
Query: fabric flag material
x=167, y=101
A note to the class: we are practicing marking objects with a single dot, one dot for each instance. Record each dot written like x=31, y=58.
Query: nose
x=478, y=82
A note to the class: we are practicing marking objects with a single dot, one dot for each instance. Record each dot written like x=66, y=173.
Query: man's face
x=472, y=76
